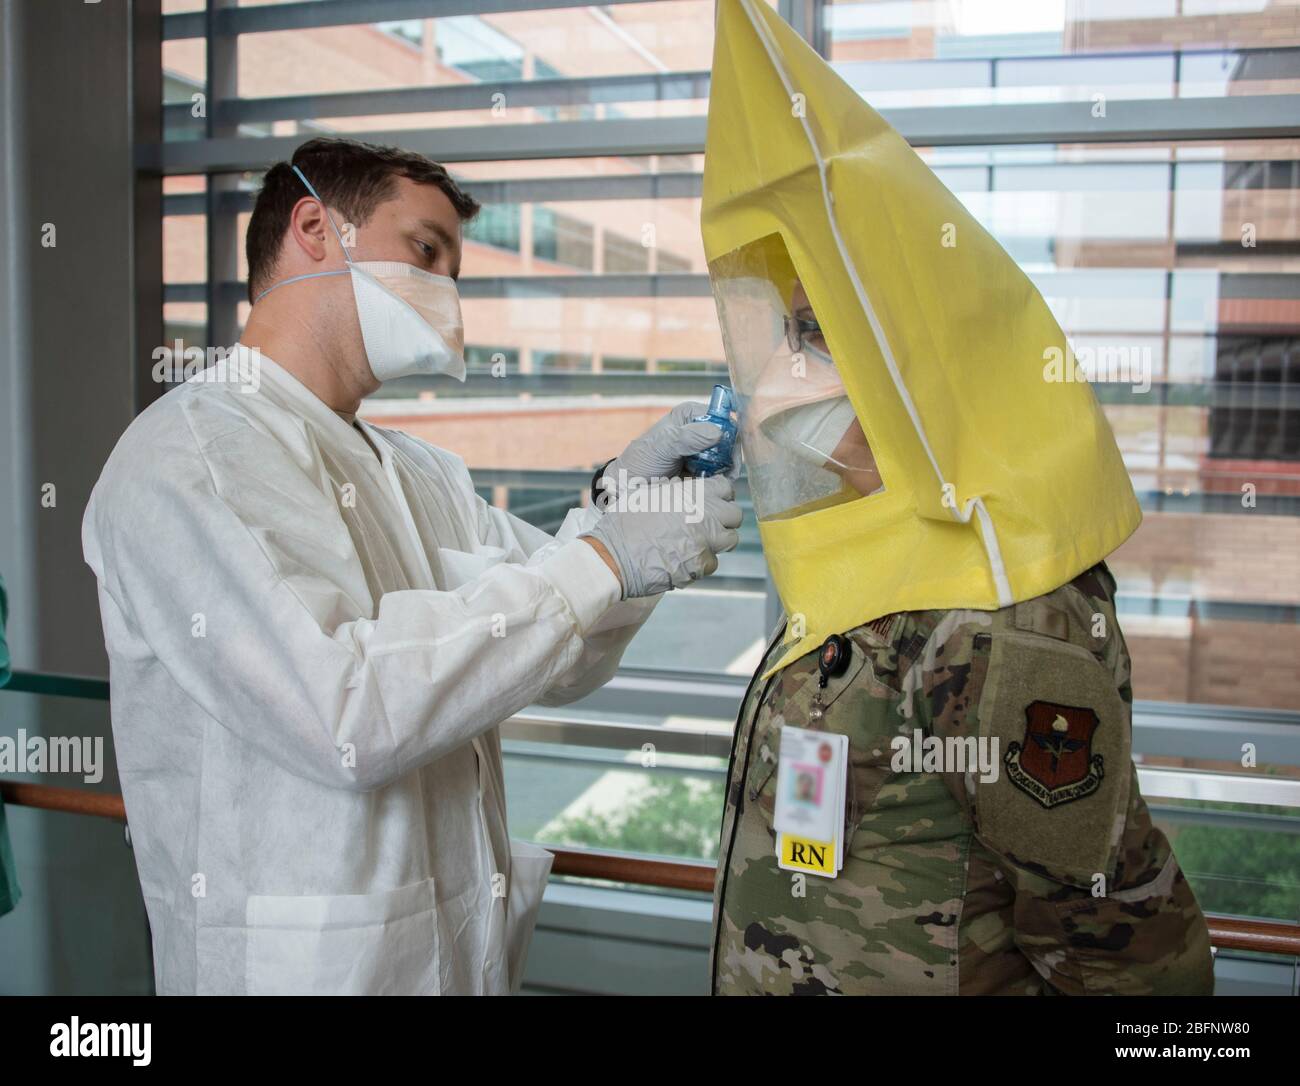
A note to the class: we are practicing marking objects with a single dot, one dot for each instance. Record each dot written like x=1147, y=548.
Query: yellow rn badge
x=801, y=854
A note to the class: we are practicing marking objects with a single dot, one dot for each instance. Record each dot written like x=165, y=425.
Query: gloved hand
x=661, y=451
x=656, y=551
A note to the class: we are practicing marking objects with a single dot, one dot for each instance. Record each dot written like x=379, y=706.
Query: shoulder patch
x=1054, y=762
x=1059, y=721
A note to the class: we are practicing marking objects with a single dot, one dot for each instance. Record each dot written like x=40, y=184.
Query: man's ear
x=309, y=229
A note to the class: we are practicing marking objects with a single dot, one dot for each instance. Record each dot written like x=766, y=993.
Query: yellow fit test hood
x=1001, y=476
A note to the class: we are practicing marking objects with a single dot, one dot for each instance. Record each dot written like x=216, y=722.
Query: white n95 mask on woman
x=410, y=318
x=813, y=430
x=800, y=404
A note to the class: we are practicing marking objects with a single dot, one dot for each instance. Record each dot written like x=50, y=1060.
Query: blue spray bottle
x=717, y=458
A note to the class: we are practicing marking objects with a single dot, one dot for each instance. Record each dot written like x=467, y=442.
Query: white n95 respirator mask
x=410, y=318
x=813, y=431
x=803, y=408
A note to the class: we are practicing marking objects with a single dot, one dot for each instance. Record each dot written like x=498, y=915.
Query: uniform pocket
x=1059, y=734
x=350, y=944
x=1147, y=940
x=881, y=679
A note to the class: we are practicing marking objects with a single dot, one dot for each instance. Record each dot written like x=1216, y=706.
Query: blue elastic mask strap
x=299, y=279
x=310, y=188
x=312, y=275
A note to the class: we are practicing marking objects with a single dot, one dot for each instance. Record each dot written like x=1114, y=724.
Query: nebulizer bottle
x=717, y=458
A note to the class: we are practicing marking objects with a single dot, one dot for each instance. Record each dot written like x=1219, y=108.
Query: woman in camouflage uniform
x=1051, y=878
x=937, y=489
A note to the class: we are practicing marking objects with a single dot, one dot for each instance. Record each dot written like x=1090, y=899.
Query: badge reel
x=811, y=782
x=832, y=662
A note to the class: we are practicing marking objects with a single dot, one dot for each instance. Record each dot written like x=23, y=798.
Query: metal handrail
x=1226, y=932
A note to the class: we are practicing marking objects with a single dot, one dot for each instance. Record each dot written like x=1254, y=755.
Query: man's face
x=418, y=226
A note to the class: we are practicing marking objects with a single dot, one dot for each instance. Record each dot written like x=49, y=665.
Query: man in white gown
x=315, y=625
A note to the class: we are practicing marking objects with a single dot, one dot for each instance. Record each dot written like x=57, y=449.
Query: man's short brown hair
x=352, y=176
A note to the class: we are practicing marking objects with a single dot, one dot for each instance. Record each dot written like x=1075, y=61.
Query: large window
x=1100, y=141
x=563, y=239
x=496, y=225
x=625, y=255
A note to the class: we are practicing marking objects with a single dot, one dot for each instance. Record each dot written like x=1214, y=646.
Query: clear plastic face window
x=803, y=444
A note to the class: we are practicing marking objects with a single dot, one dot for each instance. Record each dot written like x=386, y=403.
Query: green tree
x=1244, y=872
x=670, y=815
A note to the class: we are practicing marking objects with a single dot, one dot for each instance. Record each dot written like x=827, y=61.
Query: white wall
x=65, y=396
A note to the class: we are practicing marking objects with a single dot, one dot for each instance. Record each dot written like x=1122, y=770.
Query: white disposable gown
x=310, y=652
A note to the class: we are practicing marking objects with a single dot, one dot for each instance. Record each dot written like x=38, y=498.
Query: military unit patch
x=1055, y=763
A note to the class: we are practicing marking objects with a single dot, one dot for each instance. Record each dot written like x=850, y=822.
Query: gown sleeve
x=247, y=587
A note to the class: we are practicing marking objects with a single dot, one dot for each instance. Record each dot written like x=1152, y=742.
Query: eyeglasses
x=798, y=331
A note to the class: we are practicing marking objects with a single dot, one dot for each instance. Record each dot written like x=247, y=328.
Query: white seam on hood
x=988, y=535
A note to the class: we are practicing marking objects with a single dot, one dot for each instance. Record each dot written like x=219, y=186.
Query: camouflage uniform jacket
x=1048, y=879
